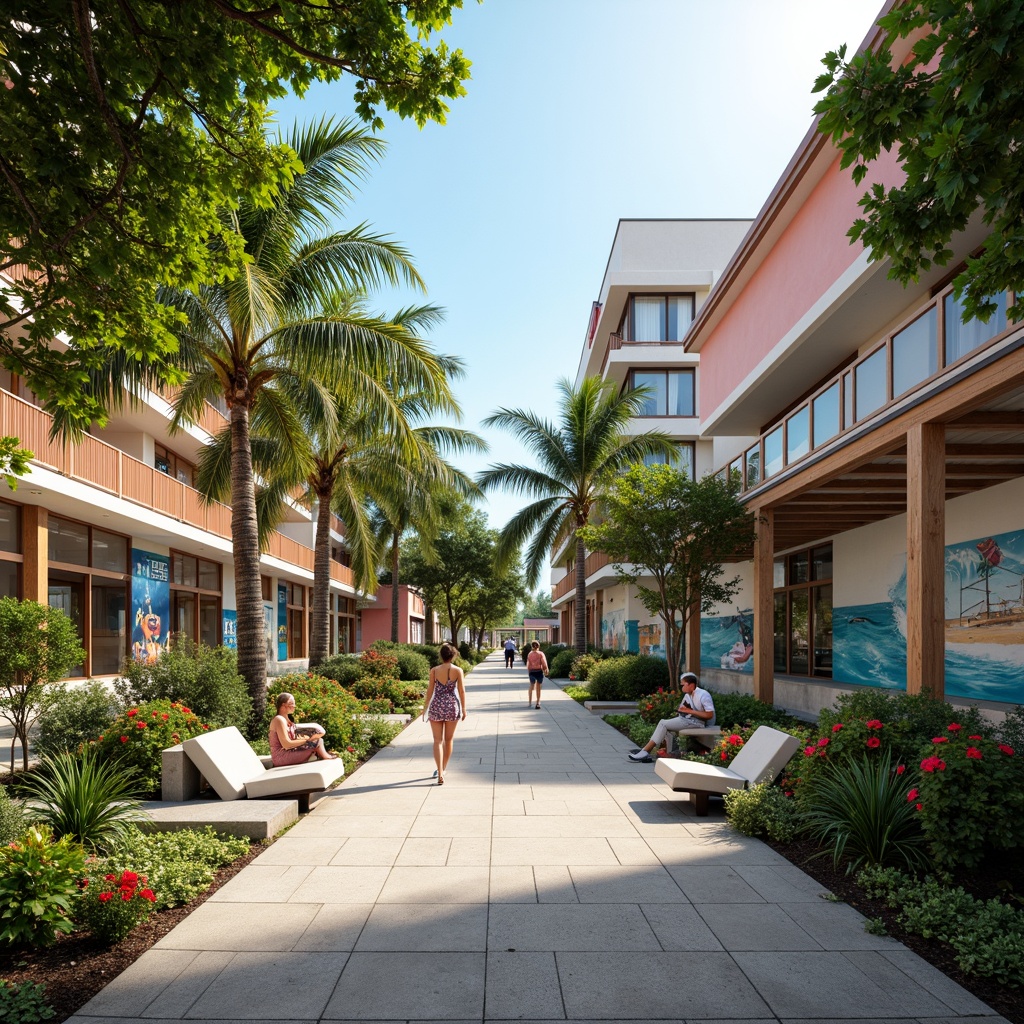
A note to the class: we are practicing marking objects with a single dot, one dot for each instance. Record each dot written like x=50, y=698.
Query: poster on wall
x=151, y=605
x=984, y=624
x=727, y=641
x=230, y=627
x=282, y=622
x=650, y=639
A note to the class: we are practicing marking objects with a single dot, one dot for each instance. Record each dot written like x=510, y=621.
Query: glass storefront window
x=10, y=528
x=821, y=562
x=871, y=384
x=183, y=614
x=209, y=575
x=799, y=638
x=184, y=571
x=826, y=415
x=915, y=353
x=108, y=643
x=9, y=574
x=209, y=621
x=66, y=591
x=68, y=542
x=822, y=630
x=798, y=568
x=961, y=337
x=109, y=551
x=780, y=633
x=779, y=573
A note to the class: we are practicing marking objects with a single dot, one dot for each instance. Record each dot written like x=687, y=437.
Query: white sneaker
x=641, y=756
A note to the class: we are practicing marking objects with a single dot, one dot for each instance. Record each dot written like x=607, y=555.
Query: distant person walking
x=444, y=708
x=510, y=653
x=537, y=666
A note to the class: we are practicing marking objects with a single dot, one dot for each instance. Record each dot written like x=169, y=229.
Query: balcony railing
x=595, y=560
x=94, y=462
x=911, y=358
x=616, y=342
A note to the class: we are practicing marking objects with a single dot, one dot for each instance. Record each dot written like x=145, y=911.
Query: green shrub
x=342, y=668
x=582, y=666
x=1011, y=730
x=400, y=697
x=179, y=865
x=39, y=885
x=971, y=798
x=137, y=738
x=987, y=937
x=860, y=807
x=321, y=700
x=113, y=904
x=378, y=663
x=465, y=651
x=620, y=722
x=75, y=715
x=24, y=1003
x=12, y=818
x=431, y=653
x=640, y=732
x=762, y=810
x=560, y=665
x=378, y=732
x=88, y=798
x=578, y=693
x=745, y=709
x=628, y=677
x=205, y=679
x=412, y=666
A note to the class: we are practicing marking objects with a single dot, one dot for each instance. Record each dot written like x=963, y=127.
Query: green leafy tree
x=576, y=461
x=247, y=340
x=38, y=646
x=149, y=119
x=13, y=461
x=460, y=558
x=663, y=527
x=951, y=110
x=537, y=606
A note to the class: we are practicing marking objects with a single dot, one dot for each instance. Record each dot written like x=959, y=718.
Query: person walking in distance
x=444, y=708
x=510, y=653
x=537, y=666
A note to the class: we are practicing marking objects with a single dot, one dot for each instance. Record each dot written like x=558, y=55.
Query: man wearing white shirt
x=696, y=711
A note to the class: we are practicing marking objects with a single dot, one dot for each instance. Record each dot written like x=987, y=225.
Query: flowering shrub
x=728, y=747
x=405, y=698
x=112, y=905
x=137, y=738
x=38, y=887
x=318, y=699
x=658, y=705
x=971, y=798
x=380, y=664
x=762, y=810
x=582, y=666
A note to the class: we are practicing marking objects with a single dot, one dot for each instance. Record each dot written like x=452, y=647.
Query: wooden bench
x=763, y=756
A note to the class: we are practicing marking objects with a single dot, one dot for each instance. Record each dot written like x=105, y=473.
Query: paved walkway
x=548, y=879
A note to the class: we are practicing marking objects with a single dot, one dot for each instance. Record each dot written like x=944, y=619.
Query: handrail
x=595, y=560
x=832, y=410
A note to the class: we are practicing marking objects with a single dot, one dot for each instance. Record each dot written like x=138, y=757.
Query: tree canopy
x=127, y=129
x=676, y=532
x=952, y=111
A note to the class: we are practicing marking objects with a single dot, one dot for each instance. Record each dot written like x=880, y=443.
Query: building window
x=88, y=580
x=961, y=337
x=296, y=620
x=670, y=392
x=10, y=550
x=803, y=612
x=657, y=317
x=682, y=460
x=165, y=461
x=196, y=598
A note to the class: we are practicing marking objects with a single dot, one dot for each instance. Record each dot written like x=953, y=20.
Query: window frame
x=686, y=371
x=627, y=325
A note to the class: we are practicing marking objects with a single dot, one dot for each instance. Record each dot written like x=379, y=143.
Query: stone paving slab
x=549, y=880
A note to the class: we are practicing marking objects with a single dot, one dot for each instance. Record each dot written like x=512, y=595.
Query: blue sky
x=579, y=113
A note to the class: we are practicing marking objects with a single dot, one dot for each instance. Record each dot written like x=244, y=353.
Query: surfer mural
x=728, y=641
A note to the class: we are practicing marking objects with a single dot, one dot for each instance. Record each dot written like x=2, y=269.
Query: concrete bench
x=707, y=736
x=763, y=756
x=236, y=772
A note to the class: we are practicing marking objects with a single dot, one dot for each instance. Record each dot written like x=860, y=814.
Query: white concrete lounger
x=235, y=771
x=764, y=755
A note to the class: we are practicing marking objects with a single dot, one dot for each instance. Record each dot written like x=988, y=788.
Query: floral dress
x=445, y=705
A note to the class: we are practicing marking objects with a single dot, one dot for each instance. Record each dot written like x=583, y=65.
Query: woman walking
x=445, y=707
x=537, y=666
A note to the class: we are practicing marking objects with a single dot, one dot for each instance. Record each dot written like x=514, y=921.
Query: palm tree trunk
x=395, y=537
x=245, y=541
x=580, y=637
x=321, y=606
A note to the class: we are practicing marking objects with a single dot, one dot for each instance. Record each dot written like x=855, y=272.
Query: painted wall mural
x=727, y=641
x=151, y=605
x=651, y=639
x=613, y=629
x=984, y=602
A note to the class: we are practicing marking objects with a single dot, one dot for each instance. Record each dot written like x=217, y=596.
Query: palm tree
x=266, y=325
x=576, y=461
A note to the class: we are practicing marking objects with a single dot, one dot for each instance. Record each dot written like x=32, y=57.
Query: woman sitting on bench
x=287, y=747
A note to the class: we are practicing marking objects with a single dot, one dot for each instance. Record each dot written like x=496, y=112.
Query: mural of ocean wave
x=870, y=648
x=728, y=642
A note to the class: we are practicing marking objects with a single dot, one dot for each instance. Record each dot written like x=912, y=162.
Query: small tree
x=38, y=646
x=677, y=532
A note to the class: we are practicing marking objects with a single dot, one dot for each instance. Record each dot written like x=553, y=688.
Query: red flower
x=872, y=742
x=809, y=751
x=911, y=796
x=822, y=753
x=104, y=896
x=206, y=727
x=954, y=727
x=147, y=894
x=126, y=894
x=941, y=739
x=918, y=807
x=1006, y=750
x=124, y=739
x=735, y=741
x=823, y=742
x=974, y=752
x=140, y=725
x=900, y=769
x=185, y=710
x=133, y=712
x=974, y=737
x=110, y=878
x=129, y=878
x=875, y=723
x=837, y=726
x=155, y=714
x=933, y=764
x=165, y=716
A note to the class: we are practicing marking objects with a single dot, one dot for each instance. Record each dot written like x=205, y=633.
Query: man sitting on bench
x=697, y=711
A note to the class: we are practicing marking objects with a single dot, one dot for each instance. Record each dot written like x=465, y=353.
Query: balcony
x=596, y=560
x=911, y=360
x=110, y=470
x=616, y=343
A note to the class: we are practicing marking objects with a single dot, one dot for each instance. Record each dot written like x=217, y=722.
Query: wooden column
x=926, y=543
x=35, y=547
x=764, y=606
x=693, y=635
